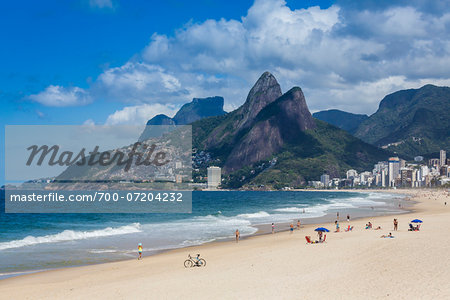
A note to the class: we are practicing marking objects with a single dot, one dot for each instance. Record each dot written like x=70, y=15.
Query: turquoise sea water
x=46, y=241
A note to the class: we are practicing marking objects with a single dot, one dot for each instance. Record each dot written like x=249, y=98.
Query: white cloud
x=55, y=95
x=347, y=56
x=89, y=122
x=139, y=114
x=139, y=83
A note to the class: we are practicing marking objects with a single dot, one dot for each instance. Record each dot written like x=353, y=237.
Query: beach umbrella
x=323, y=229
x=416, y=221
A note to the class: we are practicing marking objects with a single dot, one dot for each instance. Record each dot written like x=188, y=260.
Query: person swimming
x=140, y=251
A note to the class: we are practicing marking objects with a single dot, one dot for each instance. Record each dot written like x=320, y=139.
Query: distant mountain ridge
x=410, y=122
x=190, y=112
x=341, y=119
x=197, y=109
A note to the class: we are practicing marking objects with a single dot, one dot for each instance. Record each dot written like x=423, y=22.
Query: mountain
x=198, y=109
x=272, y=140
x=410, y=122
x=344, y=120
x=231, y=129
x=161, y=120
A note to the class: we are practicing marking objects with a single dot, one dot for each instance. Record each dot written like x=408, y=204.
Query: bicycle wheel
x=188, y=263
x=202, y=262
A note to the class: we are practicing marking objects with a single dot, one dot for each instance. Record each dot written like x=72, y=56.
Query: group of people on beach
x=369, y=225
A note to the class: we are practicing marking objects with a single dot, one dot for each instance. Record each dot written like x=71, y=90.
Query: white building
x=214, y=177
x=442, y=158
x=394, y=170
x=351, y=174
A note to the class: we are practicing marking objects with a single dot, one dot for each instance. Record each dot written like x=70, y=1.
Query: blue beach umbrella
x=323, y=229
x=416, y=221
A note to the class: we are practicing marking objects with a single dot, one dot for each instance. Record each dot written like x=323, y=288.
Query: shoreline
x=257, y=243
x=262, y=229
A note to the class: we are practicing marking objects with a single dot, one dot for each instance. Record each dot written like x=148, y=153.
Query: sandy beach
x=350, y=265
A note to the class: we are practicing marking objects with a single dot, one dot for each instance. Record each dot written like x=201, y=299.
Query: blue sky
x=120, y=62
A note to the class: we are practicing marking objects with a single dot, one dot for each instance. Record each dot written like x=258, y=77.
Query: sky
x=122, y=62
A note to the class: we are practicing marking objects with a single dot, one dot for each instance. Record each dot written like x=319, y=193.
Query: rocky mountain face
x=273, y=140
x=234, y=124
x=410, y=122
x=161, y=120
x=276, y=124
x=197, y=109
x=341, y=119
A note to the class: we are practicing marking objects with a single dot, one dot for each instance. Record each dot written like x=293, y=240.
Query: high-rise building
x=394, y=170
x=383, y=178
x=442, y=158
x=325, y=179
x=214, y=177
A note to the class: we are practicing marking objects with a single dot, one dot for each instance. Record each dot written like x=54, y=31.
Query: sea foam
x=70, y=235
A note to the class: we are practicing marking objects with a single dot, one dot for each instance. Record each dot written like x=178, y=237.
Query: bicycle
x=194, y=262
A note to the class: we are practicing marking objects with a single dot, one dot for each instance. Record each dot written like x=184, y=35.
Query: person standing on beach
x=395, y=224
x=298, y=224
x=238, y=235
x=273, y=228
x=348, y=218
x=337, y=225
x=291, y=228
x=140, y=251
x=337, y=215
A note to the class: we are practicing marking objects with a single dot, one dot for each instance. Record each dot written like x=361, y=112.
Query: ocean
x=30, y=242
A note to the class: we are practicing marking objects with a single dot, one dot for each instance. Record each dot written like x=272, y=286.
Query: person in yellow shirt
x=140, y=250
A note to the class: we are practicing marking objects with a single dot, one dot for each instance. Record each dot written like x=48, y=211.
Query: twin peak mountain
x=273, y=140
x=253, y=132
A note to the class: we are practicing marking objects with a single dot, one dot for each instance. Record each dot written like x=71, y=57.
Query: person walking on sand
x=298, y=224
x=395, y=224
x=291, y=228
x=238, y=235
x=273, y=228
x=337, y=225
x=140, y=251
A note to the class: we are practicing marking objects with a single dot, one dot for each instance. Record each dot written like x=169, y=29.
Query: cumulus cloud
x=140, y=82
x=139, y=114
x=346, y=56
x=55, y=95
x=341, y=59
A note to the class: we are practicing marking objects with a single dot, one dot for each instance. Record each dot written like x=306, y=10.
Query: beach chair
x=308, y=239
